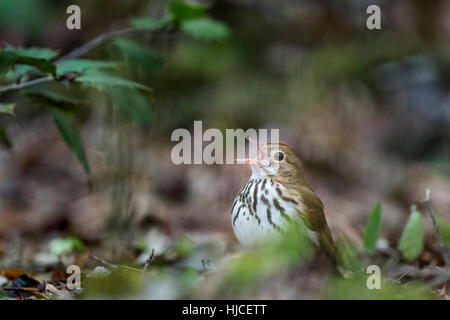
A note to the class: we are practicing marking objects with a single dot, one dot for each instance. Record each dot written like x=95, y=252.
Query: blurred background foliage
x=368, y=112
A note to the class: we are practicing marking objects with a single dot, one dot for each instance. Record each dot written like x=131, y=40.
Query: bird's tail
x=327, y=244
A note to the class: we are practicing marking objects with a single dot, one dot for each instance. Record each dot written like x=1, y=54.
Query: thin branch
x=111, y=265
x=26, y=84
x=94, y=43
x=442, y=247
x=21, y=288
x=149, y=260
x=106, y=263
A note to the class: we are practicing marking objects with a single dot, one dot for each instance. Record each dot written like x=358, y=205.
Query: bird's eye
x=279, y=156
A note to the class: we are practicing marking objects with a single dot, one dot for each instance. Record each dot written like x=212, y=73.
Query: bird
x=276, y=193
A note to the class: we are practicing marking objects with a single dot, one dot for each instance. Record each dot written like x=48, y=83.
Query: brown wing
x=316, y=221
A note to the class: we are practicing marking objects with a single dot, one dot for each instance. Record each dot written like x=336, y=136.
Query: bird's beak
x=257, y=161
x=254, y=162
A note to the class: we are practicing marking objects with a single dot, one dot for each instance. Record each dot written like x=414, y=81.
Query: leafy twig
x=78, y=52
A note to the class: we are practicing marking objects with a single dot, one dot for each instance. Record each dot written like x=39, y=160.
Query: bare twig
x=111, y=265
x=403, y=275
x=149, y=260
x=124, y=267
x=434, y=276
x=34, y=291
x=106, y=263
x=21, y=288
x=442, y=248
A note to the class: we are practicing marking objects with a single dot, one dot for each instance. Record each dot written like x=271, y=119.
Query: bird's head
x=274, y=159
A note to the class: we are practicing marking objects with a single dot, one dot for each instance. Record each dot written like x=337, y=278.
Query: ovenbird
x=277, y=192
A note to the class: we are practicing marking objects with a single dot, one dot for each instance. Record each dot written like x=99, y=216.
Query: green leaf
x=103, y=80
x=132, y=103
x=82, y=65
x=66, y=125
x=348, y=255
x=7, y=108
x=26, y=59
x=444, y=227
x=411, y=241
x=35, y=52
x=148, y=23
x=58, y=106
x=7, y=60
x=373, y=229
x=189, y=279
x=41, y=64
x=205, y=29
x=184, y=246
x=139, y=55
x=45, y=97
x=62, y=246
x=182, y=11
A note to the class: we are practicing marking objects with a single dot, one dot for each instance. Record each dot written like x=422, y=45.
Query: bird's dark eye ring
x=279, y=156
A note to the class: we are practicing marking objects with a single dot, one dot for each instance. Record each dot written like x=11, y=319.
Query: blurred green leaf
x=7, y=59
x=82, y=65
x=373, y=229
x=252, y=268
x=7, y=108
x=188, y=279
x=339, y=288
x=148, y=23
x=184, y=246
x=208, y=59
x=66, y=125
x=348, y=255
x=58, y=106
x=41, y=64
x=103, y=80
x=4, y=139
x=26, y=59
x=411, y=241
x=141, y=245
x=183, y=10
x=131, y=103
x=139, y=55
x=444, y=227
x=35, y=52
x=46, y=97
x=205, y=29
x=65, y=245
